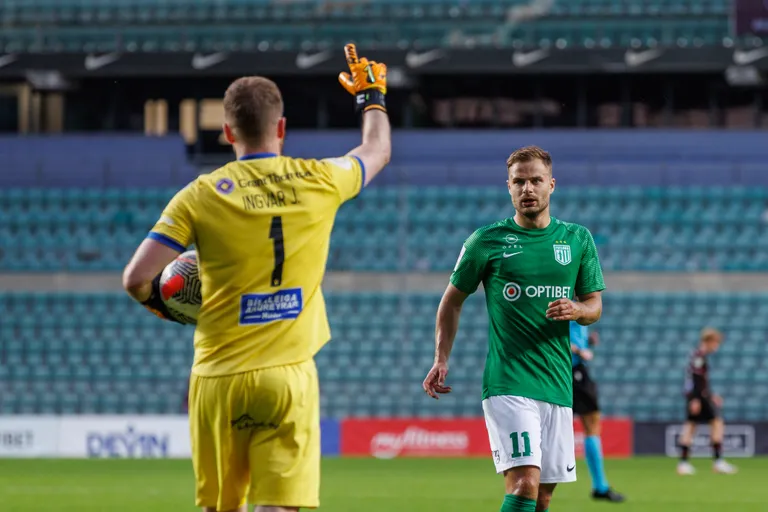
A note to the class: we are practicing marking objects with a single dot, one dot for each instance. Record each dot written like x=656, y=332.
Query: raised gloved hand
x=367, y=81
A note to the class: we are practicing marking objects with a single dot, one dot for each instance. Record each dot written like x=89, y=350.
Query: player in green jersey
x=532, y=266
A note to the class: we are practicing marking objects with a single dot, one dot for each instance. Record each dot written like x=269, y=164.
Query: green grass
x=400, y=485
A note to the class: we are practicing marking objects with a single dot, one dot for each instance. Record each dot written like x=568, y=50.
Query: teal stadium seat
x=392, y=228
x=142, y=367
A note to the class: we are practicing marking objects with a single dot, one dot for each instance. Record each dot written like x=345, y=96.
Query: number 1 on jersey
x=276, y=234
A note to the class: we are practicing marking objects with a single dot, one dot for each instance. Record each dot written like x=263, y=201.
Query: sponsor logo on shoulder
x=461, y=254
x=225, y=186
x=344, y=162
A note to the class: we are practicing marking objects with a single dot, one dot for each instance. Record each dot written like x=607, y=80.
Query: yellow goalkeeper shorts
x=256, y=435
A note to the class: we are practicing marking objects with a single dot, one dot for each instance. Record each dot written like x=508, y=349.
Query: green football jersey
x=522, y=271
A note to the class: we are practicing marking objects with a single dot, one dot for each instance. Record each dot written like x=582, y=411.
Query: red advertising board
x=616, y=437
x=390, y=438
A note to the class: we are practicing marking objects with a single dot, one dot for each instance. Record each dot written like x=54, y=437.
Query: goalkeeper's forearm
x=447, y=325
x=376, y=149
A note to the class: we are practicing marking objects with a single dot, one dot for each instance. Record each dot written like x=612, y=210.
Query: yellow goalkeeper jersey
x=261, y=227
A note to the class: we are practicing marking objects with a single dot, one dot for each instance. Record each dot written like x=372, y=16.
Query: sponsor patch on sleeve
x=344, y=162
x=461, y=255
x=263, y=308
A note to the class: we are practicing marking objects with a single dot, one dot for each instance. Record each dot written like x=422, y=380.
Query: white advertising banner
x=134, y=437
x=28, y=436
x=95, y=436
x=738, y=441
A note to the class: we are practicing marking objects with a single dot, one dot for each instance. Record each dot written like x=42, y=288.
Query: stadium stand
x=80, y=353
x=99, y=353
x=136, y=26
x=665, y=211
x=658, y=229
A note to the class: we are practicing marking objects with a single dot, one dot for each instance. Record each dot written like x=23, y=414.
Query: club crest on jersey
x=225, y=186
x=562, y=253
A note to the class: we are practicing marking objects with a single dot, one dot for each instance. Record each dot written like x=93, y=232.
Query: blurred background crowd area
x=654, y=112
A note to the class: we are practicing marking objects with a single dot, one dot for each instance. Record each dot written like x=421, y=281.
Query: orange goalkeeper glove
x=367, y=81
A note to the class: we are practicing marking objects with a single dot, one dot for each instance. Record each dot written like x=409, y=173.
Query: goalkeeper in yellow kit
x=261, y=226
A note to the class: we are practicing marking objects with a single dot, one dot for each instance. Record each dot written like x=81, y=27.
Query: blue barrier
x=457, y=157
x=330, y=437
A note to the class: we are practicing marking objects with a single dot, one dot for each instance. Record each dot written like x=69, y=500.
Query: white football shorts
x=527, y=432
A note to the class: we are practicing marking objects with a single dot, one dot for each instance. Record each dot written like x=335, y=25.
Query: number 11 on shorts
x=516, y=445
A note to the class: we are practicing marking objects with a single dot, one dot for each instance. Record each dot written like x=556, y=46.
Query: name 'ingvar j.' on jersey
x=261, y=227
x=522, y=271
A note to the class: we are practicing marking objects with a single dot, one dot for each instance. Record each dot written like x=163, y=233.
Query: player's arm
x=447, y=322
x=575, y=349
x=367, y=82
x=467, y=275
x=376, y=150
x=584, y=353
x=584, y=312
x=446, y=327
x=147, y=263
x=700, y=388
x=141, y=277
x=589, y=308
x=170, y=236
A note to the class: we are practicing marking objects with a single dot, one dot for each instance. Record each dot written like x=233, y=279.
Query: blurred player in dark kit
x=703, y=406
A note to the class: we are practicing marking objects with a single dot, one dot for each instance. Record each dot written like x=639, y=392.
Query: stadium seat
x=143, y=367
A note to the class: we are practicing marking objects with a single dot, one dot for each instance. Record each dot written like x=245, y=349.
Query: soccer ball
x=180, y=288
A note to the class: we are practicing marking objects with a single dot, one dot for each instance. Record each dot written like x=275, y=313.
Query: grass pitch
x=401, y=485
